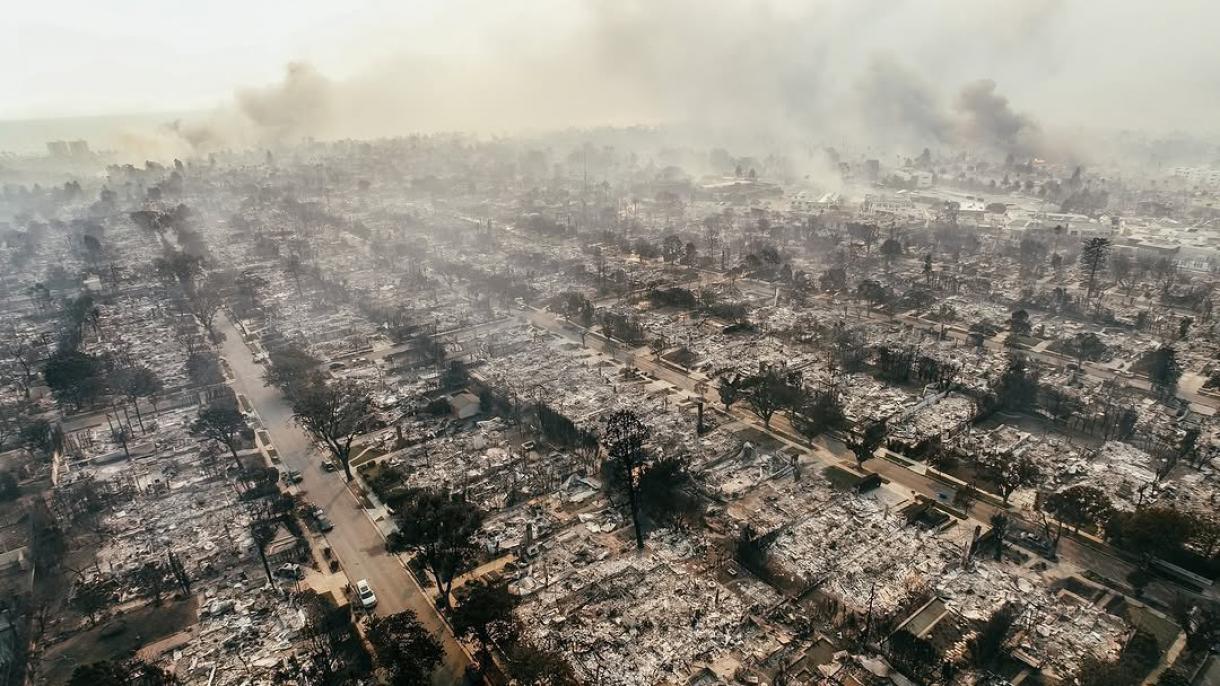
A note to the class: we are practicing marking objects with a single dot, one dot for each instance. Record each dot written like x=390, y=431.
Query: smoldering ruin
x=637, y=343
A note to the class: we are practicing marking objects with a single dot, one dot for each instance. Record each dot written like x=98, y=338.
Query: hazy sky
x=542, y=63
x=81, y=57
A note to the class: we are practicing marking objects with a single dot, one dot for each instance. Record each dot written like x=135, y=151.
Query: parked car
x=324, y=523
x=292, y=476
x=368, y=599
x=290, y=571
x=328, y=466
x=528, y=446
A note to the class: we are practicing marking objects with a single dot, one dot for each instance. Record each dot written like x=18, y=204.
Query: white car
x=368, y=599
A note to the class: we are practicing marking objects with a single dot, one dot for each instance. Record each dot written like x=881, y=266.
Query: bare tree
x=205, y=302
x=25, y=354
x=11, y=423
x=335, y=414
x=1122, y=267
x=1165, y=272
x=136, y=383
x=222, y=423
x=1013, y=472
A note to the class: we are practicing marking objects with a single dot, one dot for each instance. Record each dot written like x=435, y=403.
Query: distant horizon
x=112, y=115
x=891, y=74
x=101, y=131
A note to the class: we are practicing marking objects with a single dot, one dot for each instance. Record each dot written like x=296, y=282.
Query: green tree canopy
x=405, y=650
x=76, y=378
x=484, y=611
x=439, y=528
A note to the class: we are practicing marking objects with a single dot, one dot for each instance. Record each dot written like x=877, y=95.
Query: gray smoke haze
x=990, y=120
x=900, y=106
x=299, y=106
x=875, y=74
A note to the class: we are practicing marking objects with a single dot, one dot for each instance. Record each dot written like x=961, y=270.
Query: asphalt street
x=355, y=540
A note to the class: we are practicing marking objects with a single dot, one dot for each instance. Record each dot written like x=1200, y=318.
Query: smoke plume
x=876, y=75
x=988, y=119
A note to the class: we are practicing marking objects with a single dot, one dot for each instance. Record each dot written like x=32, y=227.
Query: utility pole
x=868, y=619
